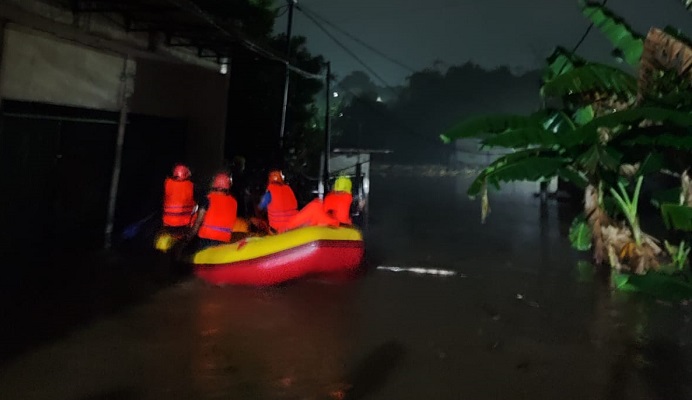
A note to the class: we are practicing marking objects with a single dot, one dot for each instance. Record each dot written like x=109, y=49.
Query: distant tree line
x=406, y=118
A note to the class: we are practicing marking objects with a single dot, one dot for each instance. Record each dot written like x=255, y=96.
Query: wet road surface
x=517, y=321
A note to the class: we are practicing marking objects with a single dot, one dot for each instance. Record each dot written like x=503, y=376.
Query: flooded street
x=517, y=320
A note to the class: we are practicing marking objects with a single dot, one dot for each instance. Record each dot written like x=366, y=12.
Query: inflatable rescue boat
x=274, y=259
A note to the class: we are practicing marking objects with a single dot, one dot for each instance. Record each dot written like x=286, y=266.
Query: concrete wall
x=196, y=94
x=40, y=66
x=42, y=69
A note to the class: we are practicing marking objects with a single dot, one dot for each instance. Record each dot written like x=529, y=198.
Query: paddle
x=132, y=230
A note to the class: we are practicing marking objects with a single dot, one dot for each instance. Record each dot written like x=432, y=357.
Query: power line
x=574, y=50
x=281, y=11
x=346, y=49
x=361, y=42
x=581, y=40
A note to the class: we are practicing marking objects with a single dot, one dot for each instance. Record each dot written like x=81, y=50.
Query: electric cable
x=346, y=49
x=357, y=40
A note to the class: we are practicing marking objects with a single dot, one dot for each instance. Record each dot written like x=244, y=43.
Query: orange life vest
x=282, y=206
x=178, y=202
x=219, y=218
x=339, y=203
x=312, y=214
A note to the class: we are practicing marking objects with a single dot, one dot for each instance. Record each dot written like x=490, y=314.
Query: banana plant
x=598, y=130
x=628, y=205
x=679, y=254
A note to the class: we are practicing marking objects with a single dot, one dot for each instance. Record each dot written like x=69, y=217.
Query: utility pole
x=327, y=127
x=291, y=5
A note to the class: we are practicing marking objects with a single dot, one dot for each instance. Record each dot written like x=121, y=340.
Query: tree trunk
x=597, y=218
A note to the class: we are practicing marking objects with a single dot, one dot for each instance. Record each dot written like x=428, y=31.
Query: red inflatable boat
x=270, y=260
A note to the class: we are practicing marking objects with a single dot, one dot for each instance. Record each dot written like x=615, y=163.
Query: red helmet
x=222, y=181
x=181, y=172
x=275, y=176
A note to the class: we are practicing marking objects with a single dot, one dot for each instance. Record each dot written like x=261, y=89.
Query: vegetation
x=403, y=117
x=604, y=130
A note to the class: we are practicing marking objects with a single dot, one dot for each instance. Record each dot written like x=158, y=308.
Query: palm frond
x=620, y=34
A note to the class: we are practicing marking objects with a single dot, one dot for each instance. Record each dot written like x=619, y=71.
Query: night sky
x=491, y=33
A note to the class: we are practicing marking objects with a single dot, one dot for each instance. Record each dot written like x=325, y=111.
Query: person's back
x=178, y=202
x=337, y=203
x=280, y=202
x=220, y=214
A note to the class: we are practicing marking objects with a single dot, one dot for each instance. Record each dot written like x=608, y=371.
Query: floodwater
x=517, y=320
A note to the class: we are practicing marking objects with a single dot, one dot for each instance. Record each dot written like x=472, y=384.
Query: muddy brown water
x=516, y=321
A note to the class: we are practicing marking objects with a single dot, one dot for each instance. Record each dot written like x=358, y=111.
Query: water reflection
x=372, y=372
x=287, y=342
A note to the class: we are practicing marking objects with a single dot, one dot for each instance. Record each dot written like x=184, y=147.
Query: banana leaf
x=589, y=132
x=573, y=176
x=580, y=233
x=558, y=122
x=599, y=156
x=521, y=138
x=657, y=285
x=561, y=61
x=526, y=165
x=591, y=78
x=584, y=115
x=677, y=100
x=652, y=163
x=664, y=140
x=671, y=195
x=677, y=217
x=478, y=126
x=621, y=35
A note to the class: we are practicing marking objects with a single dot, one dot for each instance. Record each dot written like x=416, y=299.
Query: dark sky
x=488, y=32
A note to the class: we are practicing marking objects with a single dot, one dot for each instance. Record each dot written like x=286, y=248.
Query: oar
x=133, y=229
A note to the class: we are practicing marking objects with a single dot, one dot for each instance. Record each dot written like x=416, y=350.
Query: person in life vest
x=279, y=201
x=217, y=213
x=337, y=203
x=335, y=210
x=178, y=201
